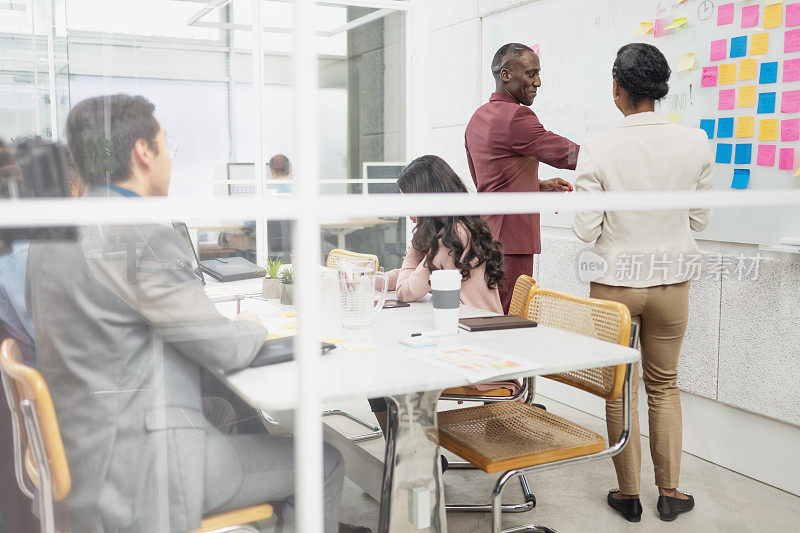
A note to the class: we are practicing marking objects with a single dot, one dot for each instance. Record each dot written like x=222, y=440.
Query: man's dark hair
x=280, y=165
x=101, y=132
x=506, y=53
x=642, y=71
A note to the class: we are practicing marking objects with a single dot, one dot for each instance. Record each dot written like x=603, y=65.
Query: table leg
x=412, y=494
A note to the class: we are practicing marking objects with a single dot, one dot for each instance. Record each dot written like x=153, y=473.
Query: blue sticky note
x=769, y=72
x=707, y=124
x=743, y=154
x=741, y=177
x=766, y=102
x=739, y=46
x=725, y=128
x=724, y=153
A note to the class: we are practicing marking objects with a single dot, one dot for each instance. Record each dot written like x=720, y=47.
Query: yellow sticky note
x=645, y=28
x=288, y=314
x=360, y=347
x=290, y=327
x=331, y=340
x=768, y=129
x=747, y=96
x=681, y=1
x=759, y=43
x=773, y=2
x=745, y=126
x=676, y=23
x=798, y=172
x=686, y=62
x=727, y=74
x=747, y=68
x=773, y=15
x=675, y=118
x=273, y=336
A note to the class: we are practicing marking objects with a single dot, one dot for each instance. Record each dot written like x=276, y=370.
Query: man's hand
x=249, y=317
x=555, y=184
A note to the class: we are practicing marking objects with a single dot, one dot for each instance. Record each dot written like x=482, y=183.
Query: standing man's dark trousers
x=15, y=507
x=515, y=265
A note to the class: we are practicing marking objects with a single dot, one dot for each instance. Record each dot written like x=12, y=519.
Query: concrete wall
x=740, y=348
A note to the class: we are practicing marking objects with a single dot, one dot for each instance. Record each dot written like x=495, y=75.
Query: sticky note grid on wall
x=742, y=71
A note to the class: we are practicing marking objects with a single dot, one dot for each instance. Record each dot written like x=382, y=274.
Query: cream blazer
x=643, y=248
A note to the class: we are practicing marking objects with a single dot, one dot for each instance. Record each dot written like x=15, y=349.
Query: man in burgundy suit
x=505, y=143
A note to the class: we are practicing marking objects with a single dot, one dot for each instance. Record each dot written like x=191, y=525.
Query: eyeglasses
x=172, y=147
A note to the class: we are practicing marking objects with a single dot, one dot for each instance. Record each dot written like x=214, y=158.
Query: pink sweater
x=412, y=280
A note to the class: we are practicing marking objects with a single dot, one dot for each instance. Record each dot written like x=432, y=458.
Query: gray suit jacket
x=122, y=329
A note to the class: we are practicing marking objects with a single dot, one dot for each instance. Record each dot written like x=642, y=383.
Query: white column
x=308, y=425
x=260, y=172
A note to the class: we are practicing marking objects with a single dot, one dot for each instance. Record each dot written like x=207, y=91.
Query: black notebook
x=488, y=323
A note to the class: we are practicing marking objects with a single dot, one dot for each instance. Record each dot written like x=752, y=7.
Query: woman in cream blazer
x=649, y=257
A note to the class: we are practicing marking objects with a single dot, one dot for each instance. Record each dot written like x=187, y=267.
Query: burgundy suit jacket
x=505, y=142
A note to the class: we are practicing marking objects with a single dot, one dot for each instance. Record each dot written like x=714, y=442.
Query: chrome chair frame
x=611, y=451
x=44, y=495
x=25, y=485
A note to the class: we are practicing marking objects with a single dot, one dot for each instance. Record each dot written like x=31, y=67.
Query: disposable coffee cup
x=446, y=292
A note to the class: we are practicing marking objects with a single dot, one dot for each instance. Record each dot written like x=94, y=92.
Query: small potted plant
x=271, y=284
x=287, y=287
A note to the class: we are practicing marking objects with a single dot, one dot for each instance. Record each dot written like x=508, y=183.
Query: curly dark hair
x=643, y=71
x=431, y=174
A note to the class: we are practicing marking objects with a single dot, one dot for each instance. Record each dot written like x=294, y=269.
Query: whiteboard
x=578, y=41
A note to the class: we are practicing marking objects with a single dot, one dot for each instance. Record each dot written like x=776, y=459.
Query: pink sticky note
x=725, y=14
x=750, y=16
x=791, y=41
x=535, y=49
x=790, y=102
x=710, y=75
x=793, y=14
x=727, y=98
x=790, y=130
x=786, y=159
x=791, y=70
x=719, y=49
x=659, y=29
x=766, y=155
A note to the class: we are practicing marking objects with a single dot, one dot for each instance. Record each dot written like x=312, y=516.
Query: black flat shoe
x=669, y=508
x=630, y=508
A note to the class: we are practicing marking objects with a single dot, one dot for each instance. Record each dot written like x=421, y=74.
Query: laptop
x=222, y=269
x=183, y=231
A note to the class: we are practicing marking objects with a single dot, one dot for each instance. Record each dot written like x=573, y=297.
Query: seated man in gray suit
x=122, y=330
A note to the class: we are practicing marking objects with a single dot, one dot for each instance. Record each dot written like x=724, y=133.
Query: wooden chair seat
x=503, y=436
x=467, y=391
x=236, y=517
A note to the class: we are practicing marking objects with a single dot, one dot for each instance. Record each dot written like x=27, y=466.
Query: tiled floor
x=572, y=498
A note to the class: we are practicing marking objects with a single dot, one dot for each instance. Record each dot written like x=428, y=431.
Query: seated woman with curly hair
x=462, y=242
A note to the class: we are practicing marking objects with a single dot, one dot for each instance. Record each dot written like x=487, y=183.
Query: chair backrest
x=26, y=384
x=601, y=319
x=521, y=294
x=337, y=253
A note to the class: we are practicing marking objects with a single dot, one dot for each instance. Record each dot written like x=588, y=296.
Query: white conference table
x=412, y=388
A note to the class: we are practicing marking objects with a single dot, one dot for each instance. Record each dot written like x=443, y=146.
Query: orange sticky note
x=747, y=68
x=747, y=96
x=768, y=129
x=745, y=126
x=759, y=43
x=727, y=74
x=773, y=16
